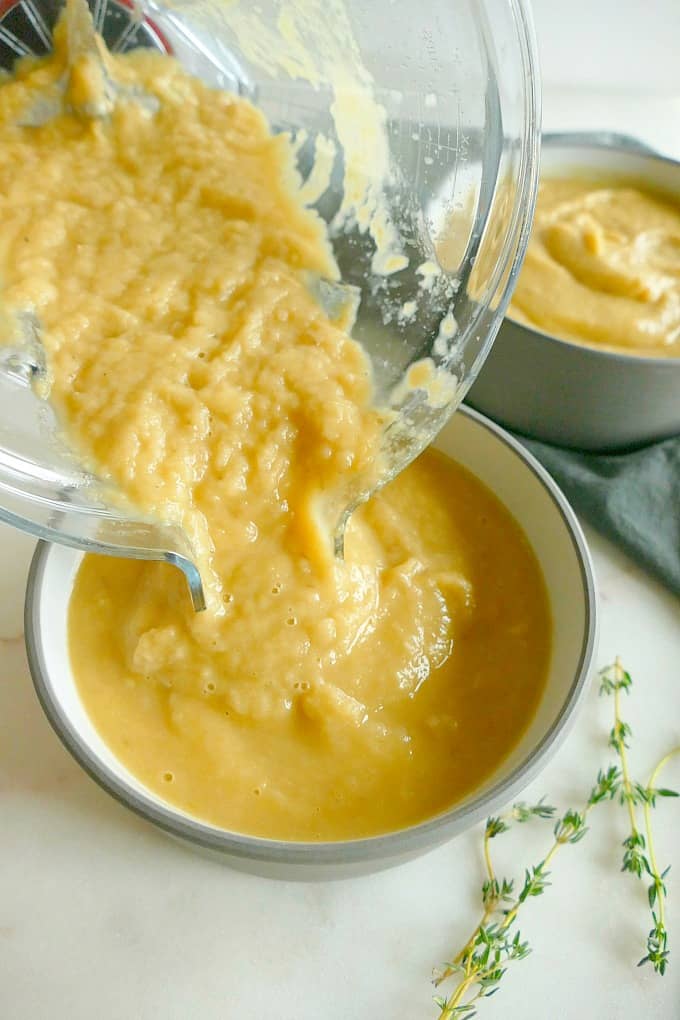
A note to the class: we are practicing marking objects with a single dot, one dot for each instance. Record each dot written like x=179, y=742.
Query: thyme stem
x=488, y=911
x=487, y=856
x=619, y=734
x=657, y=878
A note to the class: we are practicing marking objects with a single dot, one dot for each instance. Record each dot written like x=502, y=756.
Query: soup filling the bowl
x=170, y=263
x=326, y=706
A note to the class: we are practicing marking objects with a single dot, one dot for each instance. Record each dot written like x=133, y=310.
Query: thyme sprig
x=496, y=941
x=639, y=856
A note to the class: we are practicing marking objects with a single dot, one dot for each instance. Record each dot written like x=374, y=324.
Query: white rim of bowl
x=396, y=844
x=612, y=142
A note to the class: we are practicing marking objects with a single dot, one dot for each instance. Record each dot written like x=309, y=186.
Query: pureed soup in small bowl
x=603, y=264
x=316, y=699
x=588, y=355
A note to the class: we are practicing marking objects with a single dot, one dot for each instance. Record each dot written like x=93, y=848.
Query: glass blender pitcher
x=416, y=131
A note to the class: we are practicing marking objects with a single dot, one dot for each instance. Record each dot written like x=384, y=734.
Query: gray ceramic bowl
x=570, y=394
x=553, y=531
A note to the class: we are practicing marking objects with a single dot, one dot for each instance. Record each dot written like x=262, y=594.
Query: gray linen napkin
x=634, y=498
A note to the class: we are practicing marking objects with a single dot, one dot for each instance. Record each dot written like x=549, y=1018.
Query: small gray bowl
x=566, y=393
x=553, y=531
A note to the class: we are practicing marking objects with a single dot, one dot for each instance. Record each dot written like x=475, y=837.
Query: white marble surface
x=101, y=916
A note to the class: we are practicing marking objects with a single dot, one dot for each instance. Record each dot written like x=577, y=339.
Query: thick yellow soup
x=311, y=714
x=603, y=266
x=170, y=267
